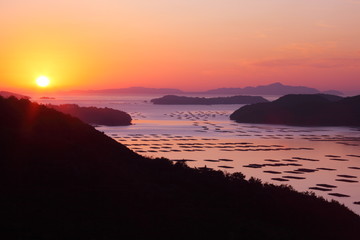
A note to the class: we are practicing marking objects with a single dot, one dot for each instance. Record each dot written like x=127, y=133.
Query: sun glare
x=43, y=81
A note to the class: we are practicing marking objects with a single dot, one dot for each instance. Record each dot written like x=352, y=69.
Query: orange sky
x=191, y=45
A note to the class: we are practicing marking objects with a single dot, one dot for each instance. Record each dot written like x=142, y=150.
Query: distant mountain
x=94, y=115
x=303, y=110
x=63, y=179
x=6, y=94
x=181, y=100
x=271, y=89
x=132, y=90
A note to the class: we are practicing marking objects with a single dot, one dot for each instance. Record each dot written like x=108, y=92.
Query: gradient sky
x=191, y=45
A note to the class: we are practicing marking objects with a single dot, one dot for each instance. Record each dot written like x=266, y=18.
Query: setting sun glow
x=187, y=45
x=43, y=81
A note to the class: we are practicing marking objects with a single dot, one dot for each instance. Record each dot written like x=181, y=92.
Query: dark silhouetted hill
x=62, y=179
x=94, y=115
x=271, y=89
x=6, y=94
x=181, y=100
x=303, y=110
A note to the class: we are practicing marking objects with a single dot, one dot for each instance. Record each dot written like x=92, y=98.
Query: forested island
x=63, y=179
x=94, y=115
x=303, y=110
x=182, y=100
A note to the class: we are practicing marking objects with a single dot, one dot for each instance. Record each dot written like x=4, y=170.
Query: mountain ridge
x=270, y=89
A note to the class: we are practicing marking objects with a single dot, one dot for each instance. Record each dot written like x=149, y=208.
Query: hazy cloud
x=309, y=48
x=308, y=62
x=353, y=1
x=324, y=25
x=261, y=36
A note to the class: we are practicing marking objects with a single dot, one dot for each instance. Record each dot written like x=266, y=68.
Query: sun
x=43, y=81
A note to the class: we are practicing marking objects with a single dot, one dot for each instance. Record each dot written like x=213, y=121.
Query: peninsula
x=94, y=115
x=303, y=110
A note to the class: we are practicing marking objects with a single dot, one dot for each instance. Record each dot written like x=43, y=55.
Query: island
x=94, y=115
x=48, y=98
x=303, y=110
x=63, y=179
x=182, y=100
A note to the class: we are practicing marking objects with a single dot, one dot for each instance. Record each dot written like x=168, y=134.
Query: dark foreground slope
x=182, y=100
x=62, y=179
x=94, y=115
x=303, y=110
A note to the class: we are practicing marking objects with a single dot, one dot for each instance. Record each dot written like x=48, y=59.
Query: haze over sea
x=325, y=160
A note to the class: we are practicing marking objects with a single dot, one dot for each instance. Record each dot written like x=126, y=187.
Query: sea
x=322, y=160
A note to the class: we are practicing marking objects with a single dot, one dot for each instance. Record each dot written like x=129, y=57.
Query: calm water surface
x=325, y=160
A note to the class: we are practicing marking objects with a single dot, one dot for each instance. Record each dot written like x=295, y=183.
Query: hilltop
x=63, y=179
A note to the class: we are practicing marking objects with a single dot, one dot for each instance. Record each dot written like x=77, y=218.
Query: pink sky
x=191, y=45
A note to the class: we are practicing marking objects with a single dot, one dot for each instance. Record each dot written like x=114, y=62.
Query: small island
x=303, y=110
x=47, y=98
x=182, y=100
x=94, y=115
